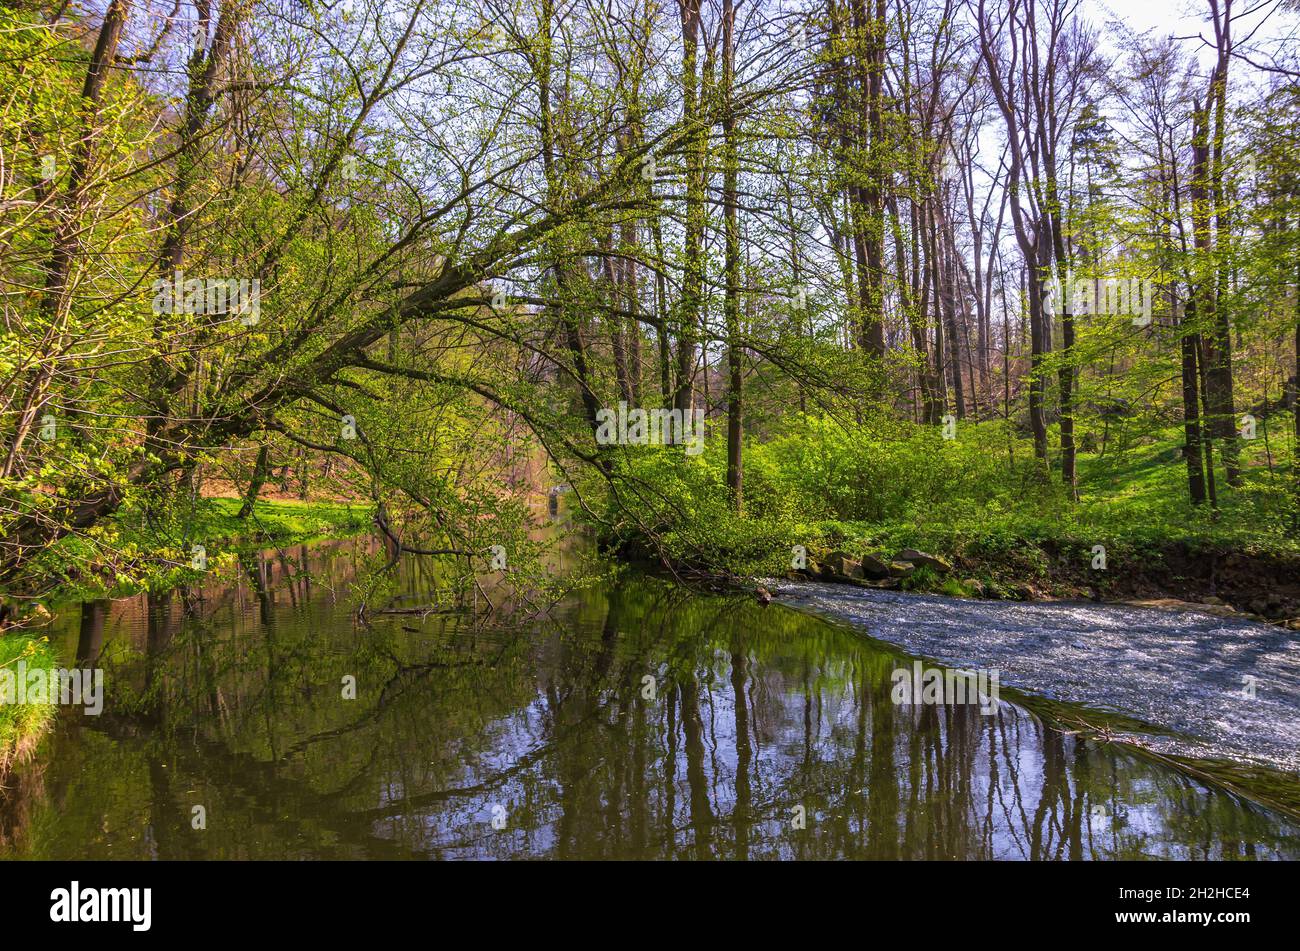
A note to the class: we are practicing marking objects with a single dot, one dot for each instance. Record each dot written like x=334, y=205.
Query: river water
x=634, y=720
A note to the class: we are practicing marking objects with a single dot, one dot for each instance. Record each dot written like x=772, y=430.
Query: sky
x=1192, y=17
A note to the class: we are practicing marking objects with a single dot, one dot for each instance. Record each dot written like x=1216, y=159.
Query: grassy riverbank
x=22, y=724
x=980, y=503
x=136, y=554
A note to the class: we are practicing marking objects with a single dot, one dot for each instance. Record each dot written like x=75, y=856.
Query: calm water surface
x=635, y=721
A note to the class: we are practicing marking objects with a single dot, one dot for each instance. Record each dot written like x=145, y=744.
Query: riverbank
x=22, y=724
x=156, y=554
x=843, y=504
x=1215, y=578
x=1258, y=582
x=147, y=558
x=1215, y=695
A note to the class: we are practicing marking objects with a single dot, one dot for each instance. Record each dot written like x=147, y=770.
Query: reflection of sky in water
x=1003, y=803
x=757, y=711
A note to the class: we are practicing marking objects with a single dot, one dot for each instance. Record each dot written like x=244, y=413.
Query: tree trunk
x=731, y=305
x=693, y=246
x=255, y=482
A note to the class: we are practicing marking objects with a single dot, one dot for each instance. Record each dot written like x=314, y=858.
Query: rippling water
x=1222, y=687
x=635, y=721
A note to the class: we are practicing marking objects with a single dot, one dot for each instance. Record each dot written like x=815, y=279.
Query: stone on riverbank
x=901, y=569
x=924, y=560
x=875, y=567
x=844, y=565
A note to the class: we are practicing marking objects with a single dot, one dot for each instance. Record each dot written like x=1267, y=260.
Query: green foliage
x=821, y=484
x=671, y=505
x=880, y=472
x=153, y=549
x=21, y=723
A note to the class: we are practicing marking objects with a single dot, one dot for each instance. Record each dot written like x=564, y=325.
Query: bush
x=888, y=486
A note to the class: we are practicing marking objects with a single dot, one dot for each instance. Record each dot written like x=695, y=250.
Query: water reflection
x=632, y=722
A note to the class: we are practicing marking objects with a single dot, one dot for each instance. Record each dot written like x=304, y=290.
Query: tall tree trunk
x=1295, y=408
x=632, y=300
x=1218, y=338
x=667, y=388
x=1037, y=381
x=1191, y=410
x=1202, y=303
x=934, y=267
x=1065, y=374
x=948, y=267
x=618, y=324
x=870, y=175
x=691, y=302
x=731, y=305
x=556, y=193
x=915, y=318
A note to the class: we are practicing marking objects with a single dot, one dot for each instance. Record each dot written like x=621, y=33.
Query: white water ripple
x=1181, y=671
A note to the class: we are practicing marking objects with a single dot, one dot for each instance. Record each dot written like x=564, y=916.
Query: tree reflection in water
x=231, y=698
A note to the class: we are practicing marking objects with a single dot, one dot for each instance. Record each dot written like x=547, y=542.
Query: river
x=633, y=720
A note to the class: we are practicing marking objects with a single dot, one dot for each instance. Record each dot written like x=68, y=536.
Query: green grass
x=134, y=553
x=21, y=724
x=215, y=522
x=1134, y=502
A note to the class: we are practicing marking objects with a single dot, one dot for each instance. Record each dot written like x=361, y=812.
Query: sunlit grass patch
x=22, y=724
